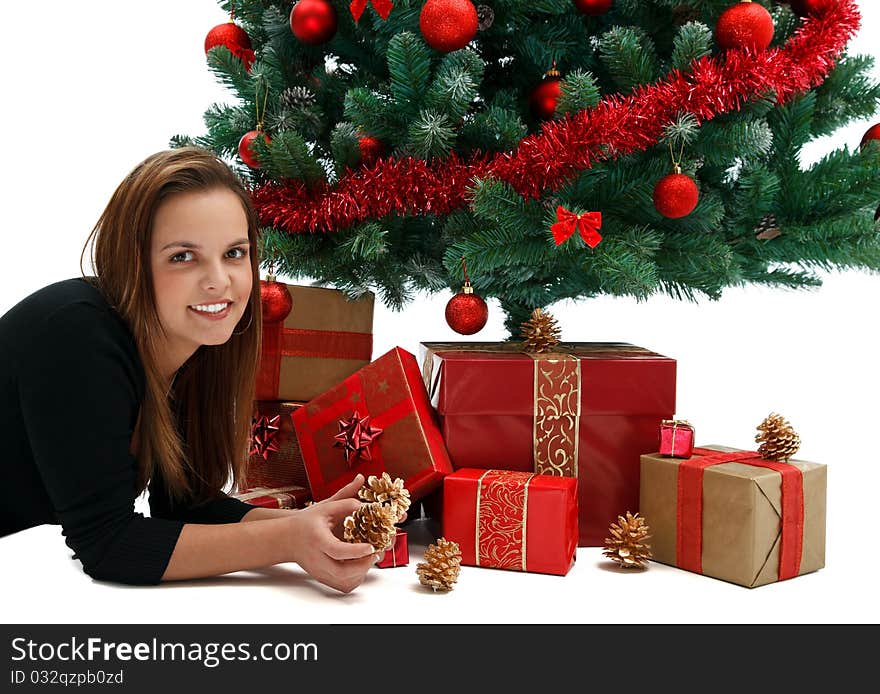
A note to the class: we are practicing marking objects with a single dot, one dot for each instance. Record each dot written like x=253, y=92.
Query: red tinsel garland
x=546, y=161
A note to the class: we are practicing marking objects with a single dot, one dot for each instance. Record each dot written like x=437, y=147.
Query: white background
x=91, y=88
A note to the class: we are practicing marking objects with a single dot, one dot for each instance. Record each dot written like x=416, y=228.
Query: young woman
x=143, y=377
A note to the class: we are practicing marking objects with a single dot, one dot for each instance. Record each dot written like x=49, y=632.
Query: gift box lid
x=473, y=378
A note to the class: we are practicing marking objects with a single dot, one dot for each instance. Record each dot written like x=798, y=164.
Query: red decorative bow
x=588, y=224
x=355, y=437
x=383, y=7
x=264, y=435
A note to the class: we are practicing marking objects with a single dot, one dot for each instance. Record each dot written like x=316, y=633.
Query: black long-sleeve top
x=71, y=386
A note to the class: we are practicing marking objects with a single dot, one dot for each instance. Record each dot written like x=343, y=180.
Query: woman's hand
x=316, y=535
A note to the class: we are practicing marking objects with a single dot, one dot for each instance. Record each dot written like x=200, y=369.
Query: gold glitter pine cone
x=627, y=546
x=778, y=439
x=371, y=523
x=441, y=566
x=384, y=490
x=541, y=332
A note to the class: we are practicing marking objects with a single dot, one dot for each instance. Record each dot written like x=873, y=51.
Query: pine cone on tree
x=768, y=228
x=540, y=332
x=627, y=545
x=384, y=490
x=371, y=523
x=441, y=566
x=296, y=98
x=779, y=441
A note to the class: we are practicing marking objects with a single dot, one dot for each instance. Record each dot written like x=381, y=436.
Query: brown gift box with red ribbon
x=377, y=420
x=290, y=496
x=324, y=339
x=275, y=459
x=588, y=410
x=730, y=514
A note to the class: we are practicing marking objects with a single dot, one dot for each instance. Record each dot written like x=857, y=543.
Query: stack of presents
x=520, y=457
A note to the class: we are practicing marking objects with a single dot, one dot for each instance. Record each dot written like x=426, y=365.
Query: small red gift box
x=512, y=520
x=676, y=438
x=588, y=410
x=275, y=459
x=377, y=420
x=291, y=496
x=398, y=555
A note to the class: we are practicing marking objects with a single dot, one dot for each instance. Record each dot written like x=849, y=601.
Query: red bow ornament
x=355, y=437
x=264, y=435
x=588, y=224
x=382, y=7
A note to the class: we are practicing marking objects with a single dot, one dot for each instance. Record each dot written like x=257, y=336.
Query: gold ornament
x=540, y=332
x=441, y=566
x=384, y=490
x=779, y=441
x=627, y=545
x=371, y=523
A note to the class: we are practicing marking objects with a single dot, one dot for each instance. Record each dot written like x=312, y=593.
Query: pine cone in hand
x=779, y=441
x=627, y=545
x=540, y=332
x=441, y=566
x=384, y=490
x=371, y=523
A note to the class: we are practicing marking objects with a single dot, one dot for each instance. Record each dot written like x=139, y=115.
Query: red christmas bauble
x=448, y=25
x=371, y=149
x=275, y=300
x=676, y=195
x=544, y=97
x=467, y=313
x=802, y=8
x=593, y=7
x=245, y=153
x=313, y=21
x=873, y=133
x=234, y=38
x=745, y=25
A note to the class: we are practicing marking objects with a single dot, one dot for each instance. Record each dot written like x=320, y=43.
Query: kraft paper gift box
x=729, y=514
x=324, y=339
x=275, y=458
x=512, y=520
x=390, y=392
x=589, y=411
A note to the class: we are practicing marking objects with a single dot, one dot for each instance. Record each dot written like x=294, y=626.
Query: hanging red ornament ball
x=873, y=133
x=448, y=25
x=676, y=195
x=234, y=38
x=466, y=312
x=313, y=21
x=371, y=149
x=593, y=8
x=545, y=96
x=802, y=8
x=745, y=25
x=275, y=300
x=245, y=153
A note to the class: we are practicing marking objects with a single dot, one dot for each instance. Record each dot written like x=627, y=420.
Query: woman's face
x=200, y=262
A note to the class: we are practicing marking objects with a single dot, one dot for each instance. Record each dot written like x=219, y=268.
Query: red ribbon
x=264, y=435
x=382, y=7
x=689, y=511
x=588, y=224
x=356, y=435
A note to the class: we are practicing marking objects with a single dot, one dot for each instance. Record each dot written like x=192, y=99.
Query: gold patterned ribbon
x=557, y=414
x=502, y=519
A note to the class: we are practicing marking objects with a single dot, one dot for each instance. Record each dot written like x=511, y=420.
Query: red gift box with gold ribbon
x=512, y=520
x=377, y=420
x=730, y=514
x=290, y=496
x=398, y=555
x=275, y=459
x=324, y=339
x=588, y=410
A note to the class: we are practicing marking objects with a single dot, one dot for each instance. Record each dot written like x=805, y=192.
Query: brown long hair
x=197, y=443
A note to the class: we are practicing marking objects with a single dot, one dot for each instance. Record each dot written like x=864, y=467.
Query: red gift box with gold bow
x=587, y=410
x=512, y=520
x=398, y=555
x=377, y=420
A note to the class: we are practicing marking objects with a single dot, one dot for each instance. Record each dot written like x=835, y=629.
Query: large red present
x=377, y=420
x=588, y=410
x=512, y=520
x=275, y=459
x=290, y=496
x=324, y=339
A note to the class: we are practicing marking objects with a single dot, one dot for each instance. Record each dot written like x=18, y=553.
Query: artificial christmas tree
x=469, y=170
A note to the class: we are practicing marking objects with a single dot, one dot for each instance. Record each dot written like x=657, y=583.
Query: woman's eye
x=243, y=252
x=178, y=255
